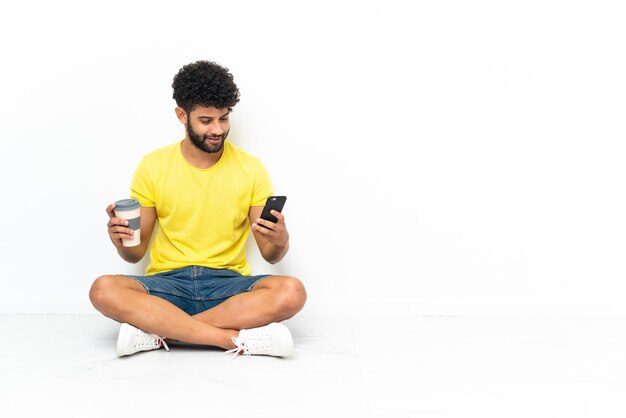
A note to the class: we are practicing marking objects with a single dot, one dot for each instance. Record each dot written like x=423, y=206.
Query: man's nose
x=216, y=128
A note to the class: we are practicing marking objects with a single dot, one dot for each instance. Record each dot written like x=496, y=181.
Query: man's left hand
x=275, y=233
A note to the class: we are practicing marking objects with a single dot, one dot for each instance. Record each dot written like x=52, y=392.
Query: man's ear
x=181, y=115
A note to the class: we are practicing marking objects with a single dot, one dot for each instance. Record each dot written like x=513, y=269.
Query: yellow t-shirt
x=202, y=214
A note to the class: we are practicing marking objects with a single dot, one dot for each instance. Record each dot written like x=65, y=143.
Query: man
x=205, y=196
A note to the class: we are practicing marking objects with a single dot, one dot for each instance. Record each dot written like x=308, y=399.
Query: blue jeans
x=195, y=289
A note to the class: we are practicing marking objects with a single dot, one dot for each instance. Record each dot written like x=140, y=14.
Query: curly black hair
x=205, y=83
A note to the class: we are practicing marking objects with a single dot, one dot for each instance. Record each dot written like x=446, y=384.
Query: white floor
x=65, y=366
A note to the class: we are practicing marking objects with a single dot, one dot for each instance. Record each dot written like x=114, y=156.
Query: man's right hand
x=118, y=228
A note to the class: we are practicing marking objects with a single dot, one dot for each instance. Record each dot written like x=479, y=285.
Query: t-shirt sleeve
x=142, y=186
x=262, y=186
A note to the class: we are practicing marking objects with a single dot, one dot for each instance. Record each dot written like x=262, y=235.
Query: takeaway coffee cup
x=129, y=209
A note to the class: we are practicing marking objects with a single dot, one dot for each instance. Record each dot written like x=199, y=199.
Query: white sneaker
x=132, y=340
x=270, y=340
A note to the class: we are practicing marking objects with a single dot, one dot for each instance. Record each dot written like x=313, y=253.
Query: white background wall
x=440, y=158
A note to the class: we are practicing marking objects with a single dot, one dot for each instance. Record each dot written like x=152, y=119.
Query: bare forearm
x=274, y=253
x=132, y=254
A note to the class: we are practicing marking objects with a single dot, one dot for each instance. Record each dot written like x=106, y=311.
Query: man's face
x=208, y=127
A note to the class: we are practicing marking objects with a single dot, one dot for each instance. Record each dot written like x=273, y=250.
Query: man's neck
x=198, y=158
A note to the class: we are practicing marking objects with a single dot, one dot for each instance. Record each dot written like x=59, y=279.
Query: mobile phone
x=273, y=202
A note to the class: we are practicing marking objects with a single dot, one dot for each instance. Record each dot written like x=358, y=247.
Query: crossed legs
x=272, y=299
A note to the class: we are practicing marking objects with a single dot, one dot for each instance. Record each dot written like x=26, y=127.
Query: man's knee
x=291, y=296
x=105, y=290
x=101, y=290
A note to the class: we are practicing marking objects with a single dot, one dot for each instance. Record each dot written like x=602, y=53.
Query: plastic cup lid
x=127, y=204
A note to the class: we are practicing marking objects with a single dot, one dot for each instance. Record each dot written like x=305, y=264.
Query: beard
x=199, y=141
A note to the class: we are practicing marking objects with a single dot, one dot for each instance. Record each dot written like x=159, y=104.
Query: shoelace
x=252, y=346
x=145, y=340
x=240, y=348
